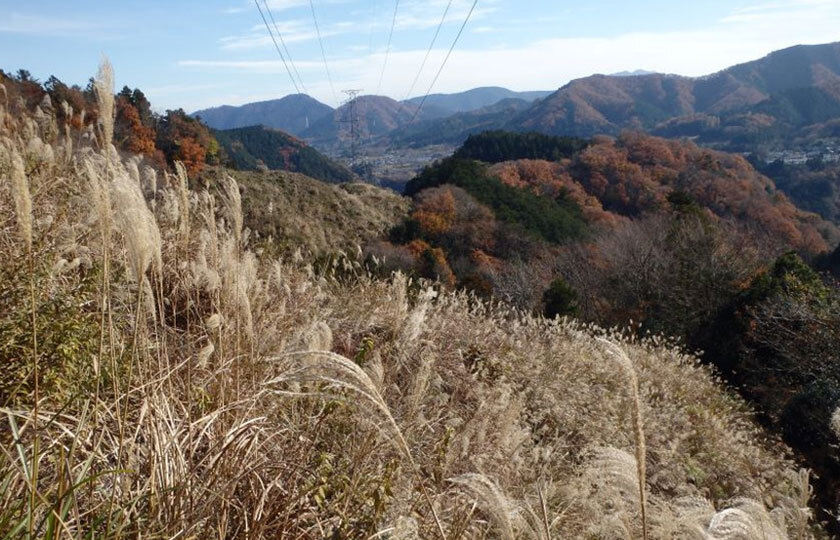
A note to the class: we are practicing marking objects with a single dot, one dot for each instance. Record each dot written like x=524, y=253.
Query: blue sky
x=199, y=53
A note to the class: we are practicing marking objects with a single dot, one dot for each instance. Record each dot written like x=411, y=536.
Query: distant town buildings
x=826, y=153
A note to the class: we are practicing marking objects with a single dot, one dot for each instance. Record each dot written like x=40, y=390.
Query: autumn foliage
x=632, y=176
x=161, y=139
x=130, y=133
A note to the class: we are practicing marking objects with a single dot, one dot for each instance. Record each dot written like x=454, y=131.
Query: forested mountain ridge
x=259, y=148
x=739, y=108
x=605, y=104
x=293, y=114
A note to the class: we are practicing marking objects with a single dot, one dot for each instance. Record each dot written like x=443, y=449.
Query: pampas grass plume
x=104, y=86
x=23, y=200
x=618, y=354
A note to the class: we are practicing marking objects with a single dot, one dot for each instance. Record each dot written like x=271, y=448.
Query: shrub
x=806, y=418
x=560, y=300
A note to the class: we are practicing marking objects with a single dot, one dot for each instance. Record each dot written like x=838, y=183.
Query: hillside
x=476, y=98
x=293, y=114
x=258, y=147
x=161, y=138
x=295, y=211
x=188, y=382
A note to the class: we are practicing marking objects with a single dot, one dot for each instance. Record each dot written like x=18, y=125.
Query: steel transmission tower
x=351, y=117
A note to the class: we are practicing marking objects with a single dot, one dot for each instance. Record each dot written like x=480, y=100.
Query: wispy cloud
x=170, y=89
x=292, y=31
x=251, y=66
x=412, y=15
x=19, y=23
x=782, y=11
x=277, y=6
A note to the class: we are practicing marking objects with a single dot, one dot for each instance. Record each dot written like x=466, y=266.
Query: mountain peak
x=294, y=114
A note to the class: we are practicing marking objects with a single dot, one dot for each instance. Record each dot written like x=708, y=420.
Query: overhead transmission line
x=373, y=6
x=388, y=49
x=323, y=52
x=448, y=54
x=276, y=46
x=280, y=35
x=429, y=51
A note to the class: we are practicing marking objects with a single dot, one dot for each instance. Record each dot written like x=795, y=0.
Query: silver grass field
x=165, y=381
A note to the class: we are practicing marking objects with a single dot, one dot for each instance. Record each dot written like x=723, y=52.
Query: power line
x=388, y=49
x=373, y=6
x=283, y=58
x=428, y=52
x=457, y=37
x=277, y=29
x=323, y=53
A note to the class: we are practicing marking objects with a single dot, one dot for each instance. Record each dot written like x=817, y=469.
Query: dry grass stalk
x=638, y=424
x=183, y=204
x=342, y=373
x=23, y=212
x=104, y=86
x=492, y=501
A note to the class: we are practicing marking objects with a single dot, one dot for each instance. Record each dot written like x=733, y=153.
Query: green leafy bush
x=560, y=300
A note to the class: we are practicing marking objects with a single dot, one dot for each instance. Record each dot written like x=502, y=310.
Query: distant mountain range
x=783, y=85
x=771, y=98
x=476, y=98
x=774, y=98
x=292, y=114
x=306, y=117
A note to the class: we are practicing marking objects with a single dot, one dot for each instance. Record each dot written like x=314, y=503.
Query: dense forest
x=498, y=146
x=813, y=186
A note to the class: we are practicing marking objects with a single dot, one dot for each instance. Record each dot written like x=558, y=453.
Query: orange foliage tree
x=130, y=133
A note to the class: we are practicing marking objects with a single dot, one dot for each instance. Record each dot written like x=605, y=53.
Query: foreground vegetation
x=682, y=241
x=168, y=382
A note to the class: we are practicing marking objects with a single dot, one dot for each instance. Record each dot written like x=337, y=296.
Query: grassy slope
x=298, y=211
x=189, y=402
